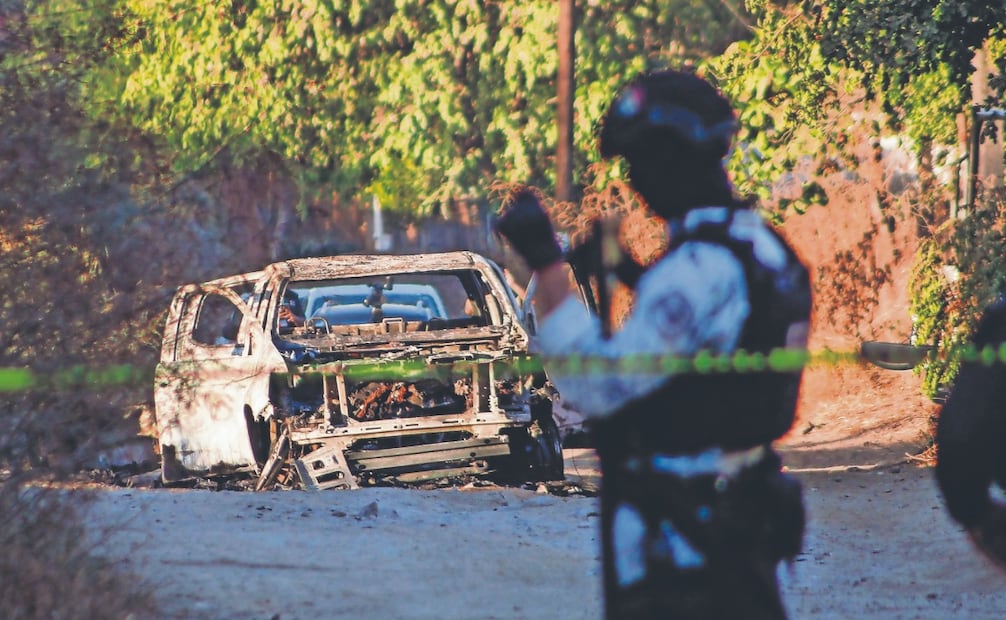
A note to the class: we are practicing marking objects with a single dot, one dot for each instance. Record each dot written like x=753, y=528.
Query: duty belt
x=712, y=462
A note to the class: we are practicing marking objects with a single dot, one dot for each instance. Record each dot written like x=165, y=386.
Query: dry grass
x=48, y=568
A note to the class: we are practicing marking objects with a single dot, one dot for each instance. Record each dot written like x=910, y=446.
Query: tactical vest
x=734, y=410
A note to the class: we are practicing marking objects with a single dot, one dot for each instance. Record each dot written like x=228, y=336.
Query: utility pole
x=980, y=116
x=566, y=89
x=990, y=159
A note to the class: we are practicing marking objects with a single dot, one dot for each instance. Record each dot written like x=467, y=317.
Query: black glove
x=524, y=223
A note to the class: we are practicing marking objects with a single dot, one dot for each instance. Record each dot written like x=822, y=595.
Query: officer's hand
x=524, y=223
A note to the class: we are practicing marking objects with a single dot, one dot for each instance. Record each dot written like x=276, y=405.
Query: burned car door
x=212, y=379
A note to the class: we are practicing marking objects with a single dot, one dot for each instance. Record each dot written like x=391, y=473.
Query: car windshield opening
x=440, y=300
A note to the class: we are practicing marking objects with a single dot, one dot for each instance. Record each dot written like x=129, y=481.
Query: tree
x=911, y=57
x=416, y=101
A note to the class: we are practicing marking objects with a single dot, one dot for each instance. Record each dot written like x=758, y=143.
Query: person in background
x=697, y=513
x=291, y=310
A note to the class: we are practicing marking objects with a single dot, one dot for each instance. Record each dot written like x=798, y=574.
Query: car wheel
x=549, y=442
x=535, y=454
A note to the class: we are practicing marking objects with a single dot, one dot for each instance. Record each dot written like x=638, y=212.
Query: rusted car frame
x=332, y=402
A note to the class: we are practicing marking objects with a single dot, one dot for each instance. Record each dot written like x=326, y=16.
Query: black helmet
x=668, y=109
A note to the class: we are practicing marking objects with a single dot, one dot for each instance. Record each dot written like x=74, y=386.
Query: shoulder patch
x=674, y=315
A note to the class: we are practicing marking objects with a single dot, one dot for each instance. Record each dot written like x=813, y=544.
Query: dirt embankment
x=861, y=257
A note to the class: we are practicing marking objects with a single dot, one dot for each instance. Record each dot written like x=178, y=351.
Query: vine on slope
x=957, y=274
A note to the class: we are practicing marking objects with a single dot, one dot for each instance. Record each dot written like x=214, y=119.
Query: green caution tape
x=16, y=379
x=73, y=377
x=704, y=362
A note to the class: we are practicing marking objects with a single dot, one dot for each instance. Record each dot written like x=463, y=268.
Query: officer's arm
x=552, y=289
x=693, y=300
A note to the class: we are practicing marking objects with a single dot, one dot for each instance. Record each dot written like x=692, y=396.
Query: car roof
x=405, y=288
x=353, y=265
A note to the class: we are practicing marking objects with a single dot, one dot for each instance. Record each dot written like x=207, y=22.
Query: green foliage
x=894, y=41
x=811, y=64
x=915, y=57
x=418, y=101
x=954, y=279
x=783, y=90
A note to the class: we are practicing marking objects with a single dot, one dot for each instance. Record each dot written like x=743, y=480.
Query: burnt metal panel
x=410, y=456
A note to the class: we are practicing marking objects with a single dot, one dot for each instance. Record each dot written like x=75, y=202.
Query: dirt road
x=879, y=546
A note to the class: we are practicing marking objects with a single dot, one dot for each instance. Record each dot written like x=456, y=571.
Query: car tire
x=546, y=463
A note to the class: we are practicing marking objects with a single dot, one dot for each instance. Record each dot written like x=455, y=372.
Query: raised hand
x=523, y=222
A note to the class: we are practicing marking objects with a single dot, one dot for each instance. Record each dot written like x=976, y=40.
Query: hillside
x=861, y=259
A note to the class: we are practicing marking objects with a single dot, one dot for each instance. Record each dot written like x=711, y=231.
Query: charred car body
x=397, y=369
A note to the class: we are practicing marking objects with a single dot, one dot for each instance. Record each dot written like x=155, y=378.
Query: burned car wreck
x=352, y=370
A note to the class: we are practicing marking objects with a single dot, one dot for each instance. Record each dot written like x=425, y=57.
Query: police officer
x=696, y=511
x=970, y=433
